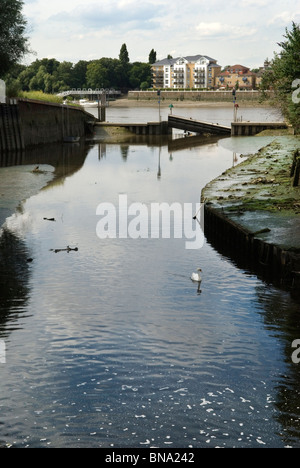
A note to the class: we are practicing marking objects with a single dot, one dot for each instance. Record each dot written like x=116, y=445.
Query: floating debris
x=68, y=250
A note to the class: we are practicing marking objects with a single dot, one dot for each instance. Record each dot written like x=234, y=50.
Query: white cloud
x=285, y=18
x=220, y=29
x=231, y=31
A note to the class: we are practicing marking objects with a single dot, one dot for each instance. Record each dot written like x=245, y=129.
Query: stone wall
x=217, y=96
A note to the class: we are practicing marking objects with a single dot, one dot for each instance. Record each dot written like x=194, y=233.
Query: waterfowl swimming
x=196, y=277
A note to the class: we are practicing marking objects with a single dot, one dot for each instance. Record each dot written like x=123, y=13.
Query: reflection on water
x=112, y=346
x=14, y=275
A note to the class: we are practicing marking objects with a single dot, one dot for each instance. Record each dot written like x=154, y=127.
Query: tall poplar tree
x=152, y=57
x=124, y=56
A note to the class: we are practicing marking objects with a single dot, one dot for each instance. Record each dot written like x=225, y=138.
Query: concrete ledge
x=253, y=128
x=252, y=213
x=150, y=128
x=251, y=250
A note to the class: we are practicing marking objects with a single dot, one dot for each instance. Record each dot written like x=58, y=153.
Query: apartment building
x=236, y=76
x=191, y=72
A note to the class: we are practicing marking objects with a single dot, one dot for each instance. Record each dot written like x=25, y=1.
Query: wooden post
x=103, y=107
x=296, y=155
x=99, y=108
x=297, y=173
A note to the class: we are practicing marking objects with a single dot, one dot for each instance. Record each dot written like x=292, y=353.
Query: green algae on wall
x=262, y=182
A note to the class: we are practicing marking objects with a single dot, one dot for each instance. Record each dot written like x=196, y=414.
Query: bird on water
x=196, y=277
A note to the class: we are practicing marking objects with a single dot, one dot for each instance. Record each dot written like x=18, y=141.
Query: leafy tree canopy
x=13, y=40
x=52, y=76
x=284, y=70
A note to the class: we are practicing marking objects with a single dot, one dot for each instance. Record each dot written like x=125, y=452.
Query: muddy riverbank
x=25, y=174
x=20, y=183
x=255, y=209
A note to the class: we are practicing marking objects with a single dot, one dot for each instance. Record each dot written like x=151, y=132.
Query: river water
x=112, y=345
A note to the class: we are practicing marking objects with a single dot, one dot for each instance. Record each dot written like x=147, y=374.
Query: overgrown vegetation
x=284, y=70
x=40, y=96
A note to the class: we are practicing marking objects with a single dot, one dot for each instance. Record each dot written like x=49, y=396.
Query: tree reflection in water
x=14, y=276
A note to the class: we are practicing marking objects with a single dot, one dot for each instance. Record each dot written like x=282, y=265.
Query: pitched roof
x=189, y=58
x=165, y=61
x=238, y=68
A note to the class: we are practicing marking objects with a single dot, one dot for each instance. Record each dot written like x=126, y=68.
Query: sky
x=231, y=31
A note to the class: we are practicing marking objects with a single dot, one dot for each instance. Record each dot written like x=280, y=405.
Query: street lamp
x=159, y=96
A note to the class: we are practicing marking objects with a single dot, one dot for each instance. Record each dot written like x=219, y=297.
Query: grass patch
x=40, y=96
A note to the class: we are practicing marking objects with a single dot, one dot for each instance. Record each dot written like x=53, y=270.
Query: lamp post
x=159, y=95
x=235, y=105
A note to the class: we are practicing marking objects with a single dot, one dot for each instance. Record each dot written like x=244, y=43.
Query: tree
x=152, y=57
x=79, y=75
x=65, y=72
x=140, y=73
x=285, y=69
x=124, y=56
x=13, y=42
x=97, y=75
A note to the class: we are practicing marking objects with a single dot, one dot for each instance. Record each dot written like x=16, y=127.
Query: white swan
x=196, y=277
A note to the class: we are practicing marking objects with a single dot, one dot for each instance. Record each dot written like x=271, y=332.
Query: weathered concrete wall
x=217, y=96
x=10, y=129
x=152, y=128
x=266, y=259
x=43, y=123
x=252, y=212
x=253, y=128
x=25, y=123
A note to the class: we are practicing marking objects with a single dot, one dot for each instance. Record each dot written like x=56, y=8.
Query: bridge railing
x=84, y=92
x=197, y=126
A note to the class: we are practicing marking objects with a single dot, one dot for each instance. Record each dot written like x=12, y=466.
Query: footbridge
x=90, y=92
x=197, y=126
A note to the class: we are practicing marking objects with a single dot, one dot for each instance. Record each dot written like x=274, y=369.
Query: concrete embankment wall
x=27, y=123
x=216, y=96
x=11, y=138
x=267, y=260
x=252, y=212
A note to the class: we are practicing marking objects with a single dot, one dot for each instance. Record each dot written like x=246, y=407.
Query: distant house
x=259, y=76
x=236, y=76
x=191, y=72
